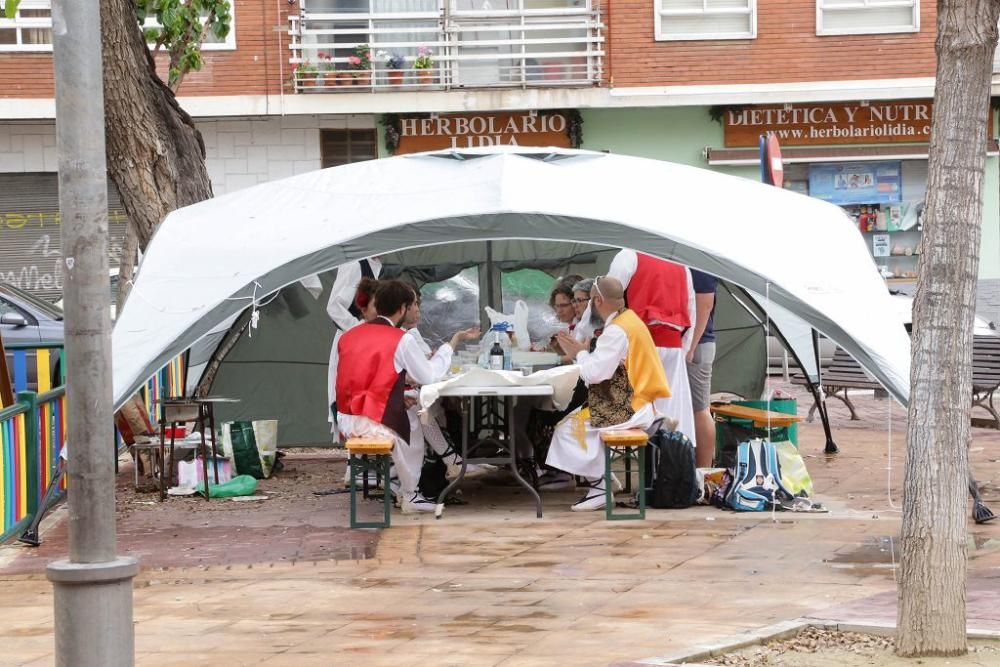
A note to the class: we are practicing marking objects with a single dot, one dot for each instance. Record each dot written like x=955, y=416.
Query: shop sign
x=443, y=131
x=903, y=121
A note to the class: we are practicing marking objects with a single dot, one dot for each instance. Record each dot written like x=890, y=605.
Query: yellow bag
x=794, y=475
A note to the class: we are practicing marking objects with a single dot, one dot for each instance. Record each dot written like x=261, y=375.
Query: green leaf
x=10, y=7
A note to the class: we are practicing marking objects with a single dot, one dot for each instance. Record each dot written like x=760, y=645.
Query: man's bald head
x=611, y=288
x=607, y=296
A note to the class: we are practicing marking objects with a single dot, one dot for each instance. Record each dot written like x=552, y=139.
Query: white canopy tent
x=212, y=260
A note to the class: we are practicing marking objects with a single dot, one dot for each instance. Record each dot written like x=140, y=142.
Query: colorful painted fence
x=32, y=436
x=35, y=367
x=168, y=382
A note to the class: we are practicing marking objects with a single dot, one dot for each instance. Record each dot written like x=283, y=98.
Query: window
x=861, y=17
x=29, y=30
x=706, y=19
x=337, y=147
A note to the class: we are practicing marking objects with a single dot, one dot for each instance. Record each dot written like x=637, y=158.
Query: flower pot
x=344, y=78
x=309, y=79
x=330, y=78
x=426, y=76
x=363, y=78
x=395, y=77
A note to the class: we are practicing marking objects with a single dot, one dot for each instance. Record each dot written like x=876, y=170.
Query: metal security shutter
x=30, y=256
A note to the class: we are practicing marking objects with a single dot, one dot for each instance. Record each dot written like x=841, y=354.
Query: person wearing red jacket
x=375, y=358
x=661, y=293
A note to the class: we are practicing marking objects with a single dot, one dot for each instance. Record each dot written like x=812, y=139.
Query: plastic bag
x=519, y=320
x=241, y=485
x=794, y=475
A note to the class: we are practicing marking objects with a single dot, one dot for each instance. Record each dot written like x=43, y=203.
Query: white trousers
x=576, y=445
x=407, y=457
x=427, y=433
x=678, y=405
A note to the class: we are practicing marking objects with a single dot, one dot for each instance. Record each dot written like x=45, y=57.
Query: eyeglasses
x=581, y=301
x=567, y=304
x=597, y=286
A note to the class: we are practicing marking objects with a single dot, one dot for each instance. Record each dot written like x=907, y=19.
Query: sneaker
x=556, y=482
x=594, y=499
x=416, y=504
x=472, y=471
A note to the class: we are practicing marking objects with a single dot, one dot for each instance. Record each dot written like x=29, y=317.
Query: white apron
x=678, y=405
x=577, y=448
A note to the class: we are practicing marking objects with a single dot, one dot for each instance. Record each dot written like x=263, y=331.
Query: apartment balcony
x=419, y=46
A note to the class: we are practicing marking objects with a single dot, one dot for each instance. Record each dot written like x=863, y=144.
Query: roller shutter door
x=30, y=256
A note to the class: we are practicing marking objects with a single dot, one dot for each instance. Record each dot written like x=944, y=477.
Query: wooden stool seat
x=632, y=437
x=358, y=451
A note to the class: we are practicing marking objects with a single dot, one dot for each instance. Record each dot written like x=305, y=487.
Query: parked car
x=25, y=318
x=776, y=356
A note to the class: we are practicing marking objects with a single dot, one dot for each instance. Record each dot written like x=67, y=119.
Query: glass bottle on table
x=496, y=353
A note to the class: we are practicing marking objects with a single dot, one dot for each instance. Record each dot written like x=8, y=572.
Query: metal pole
x=93, y=588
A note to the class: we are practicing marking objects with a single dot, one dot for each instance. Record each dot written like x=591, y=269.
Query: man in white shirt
x=345, y=313
x=375, y=358
x=662, y=294
x=429, y=430
x=624, y=381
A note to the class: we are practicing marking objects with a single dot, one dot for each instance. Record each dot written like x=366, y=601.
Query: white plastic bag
x=519, y=320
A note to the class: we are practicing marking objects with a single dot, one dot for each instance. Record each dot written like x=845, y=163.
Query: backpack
x=757, y=478
x=675, y=482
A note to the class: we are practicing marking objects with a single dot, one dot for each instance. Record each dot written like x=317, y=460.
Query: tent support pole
x=815, y=388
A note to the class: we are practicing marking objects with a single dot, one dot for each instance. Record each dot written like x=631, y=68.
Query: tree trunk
x=156, y=156
x=934, y=532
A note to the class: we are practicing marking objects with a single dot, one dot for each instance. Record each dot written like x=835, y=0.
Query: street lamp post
x=93, y=588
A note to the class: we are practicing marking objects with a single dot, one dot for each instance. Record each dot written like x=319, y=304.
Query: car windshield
x=41, y=304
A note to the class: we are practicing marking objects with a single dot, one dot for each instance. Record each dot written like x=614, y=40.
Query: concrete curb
x=691, y=656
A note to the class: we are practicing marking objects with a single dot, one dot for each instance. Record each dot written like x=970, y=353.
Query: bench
x=985, y=377
x=845, y=373
x=358, y=452
x=842, y=374
x=618, y=446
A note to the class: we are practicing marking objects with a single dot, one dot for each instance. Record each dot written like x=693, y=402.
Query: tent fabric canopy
x=209, y=261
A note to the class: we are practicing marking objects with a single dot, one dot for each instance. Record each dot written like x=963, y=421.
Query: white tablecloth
x=563, y=380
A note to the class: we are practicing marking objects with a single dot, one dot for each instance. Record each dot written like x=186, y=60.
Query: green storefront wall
x=681, y=134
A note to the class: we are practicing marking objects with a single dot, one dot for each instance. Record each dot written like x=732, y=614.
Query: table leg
x=512, y=446
x=170, y=468
x=211, y=434
x=204, y=453
x=162, y=461
x=466, y=407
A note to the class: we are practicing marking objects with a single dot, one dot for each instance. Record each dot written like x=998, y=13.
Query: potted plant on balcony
x=424, y=64
x=327, y=67
x=306, y=74
x=393, y=67
x=361, y=63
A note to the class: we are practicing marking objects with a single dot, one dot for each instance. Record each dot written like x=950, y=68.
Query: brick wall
x=786, y=49
x=253, y=68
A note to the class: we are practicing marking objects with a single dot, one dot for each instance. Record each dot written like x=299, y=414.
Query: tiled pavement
x=489, y=584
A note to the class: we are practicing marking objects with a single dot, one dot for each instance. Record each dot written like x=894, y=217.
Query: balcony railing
x=521, y=48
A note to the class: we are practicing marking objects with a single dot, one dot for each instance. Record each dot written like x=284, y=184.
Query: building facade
x=847, y=88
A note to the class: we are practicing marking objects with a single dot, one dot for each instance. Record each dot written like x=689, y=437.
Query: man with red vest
x=661, y=293
x=375, y=358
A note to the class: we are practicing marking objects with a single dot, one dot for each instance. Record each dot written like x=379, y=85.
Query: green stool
x=359, y=450
x=626, y=445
